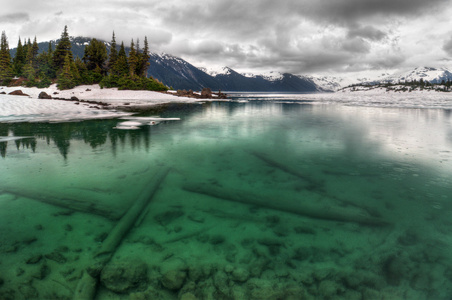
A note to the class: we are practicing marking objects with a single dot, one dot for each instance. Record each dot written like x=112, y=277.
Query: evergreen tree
x=95, y=57
x=113, y=56
x=75, y=73
x=6, y=68
x=62, y=50
x=34, y=53
x=132, y=60
x=121, y=67
x=144, y=60
x=50, y=50
x=66, y=78
x=19, y=59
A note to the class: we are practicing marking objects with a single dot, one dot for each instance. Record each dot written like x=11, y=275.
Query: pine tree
x=132, y=60
x=34, y=53
x=66, y=78
x=75, y=73
x=95, y=56
x=113, y=54
x=19, y=59
x=121, y=67
x=6, y=68
x=144, y=59
x=50, y=50
x=62, y=50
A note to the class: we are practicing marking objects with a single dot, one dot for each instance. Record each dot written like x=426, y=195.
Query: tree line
x=112, y=68
x=408, y=85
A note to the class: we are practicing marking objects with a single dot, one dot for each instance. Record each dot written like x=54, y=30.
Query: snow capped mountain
x=433, y=75
x=217, y=71
x=270, y=76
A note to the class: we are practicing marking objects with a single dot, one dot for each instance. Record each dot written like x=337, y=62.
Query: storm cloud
x=298, y=36
x=14, y=18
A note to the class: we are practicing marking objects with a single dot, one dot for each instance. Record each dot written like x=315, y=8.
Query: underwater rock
x=359, y=279
x=29, y=240
x=396, y=268
x=11, y=249
x=19, y=272
x=304, y=230
x=42, y=273
x=188, y=296
x=168, y=217
x=260, y=289
x=124, y=276
x=240, y=274
x=217, y=239
x=302, y=253
x=8, y=294
x=408, y=238
x=174, y=279
x=63, y=249
x=273, y=245
x=272, y=220
x=39, y=227
x=189, y=287
x=221, y=281
x=101, y=237
x=329, y=288
x=239, y=292
x=66, y=272
x=281, y=230
x=228, y=269
x=57, y=257
x=351, y=295
x=28, y=291
x=196, y=273
x=149, y=294
x=1, y=281
x=34, y=259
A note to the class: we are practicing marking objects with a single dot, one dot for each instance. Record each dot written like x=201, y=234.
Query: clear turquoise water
x=352, y=203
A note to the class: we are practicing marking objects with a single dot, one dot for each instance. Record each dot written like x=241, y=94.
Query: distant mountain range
x=432, y=75
x=177, y=73
x=180, y=74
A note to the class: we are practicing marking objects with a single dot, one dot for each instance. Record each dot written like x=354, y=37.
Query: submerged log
x=287, y=168
x=86, y=287
x=314, y=185
x=127, y=221
x=294, y=206
x=69, y=203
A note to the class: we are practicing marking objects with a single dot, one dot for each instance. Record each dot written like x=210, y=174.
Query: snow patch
x=32, y=109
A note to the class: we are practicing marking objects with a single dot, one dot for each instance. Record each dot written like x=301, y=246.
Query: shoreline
x=81, y=103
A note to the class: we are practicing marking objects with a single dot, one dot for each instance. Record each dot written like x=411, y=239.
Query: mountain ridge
x=178, y=73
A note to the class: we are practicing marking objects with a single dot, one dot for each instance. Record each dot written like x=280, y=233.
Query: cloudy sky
x=296, y=36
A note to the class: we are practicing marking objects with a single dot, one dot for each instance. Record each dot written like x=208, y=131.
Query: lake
x=272, y=197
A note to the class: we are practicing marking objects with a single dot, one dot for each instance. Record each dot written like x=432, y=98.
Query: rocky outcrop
x=18, y=93
x=44, y=95
x=206, y=93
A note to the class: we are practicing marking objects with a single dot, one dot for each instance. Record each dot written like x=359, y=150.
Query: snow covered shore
x=32, y=109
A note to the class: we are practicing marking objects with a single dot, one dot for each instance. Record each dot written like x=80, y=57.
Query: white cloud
x=299, y=36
